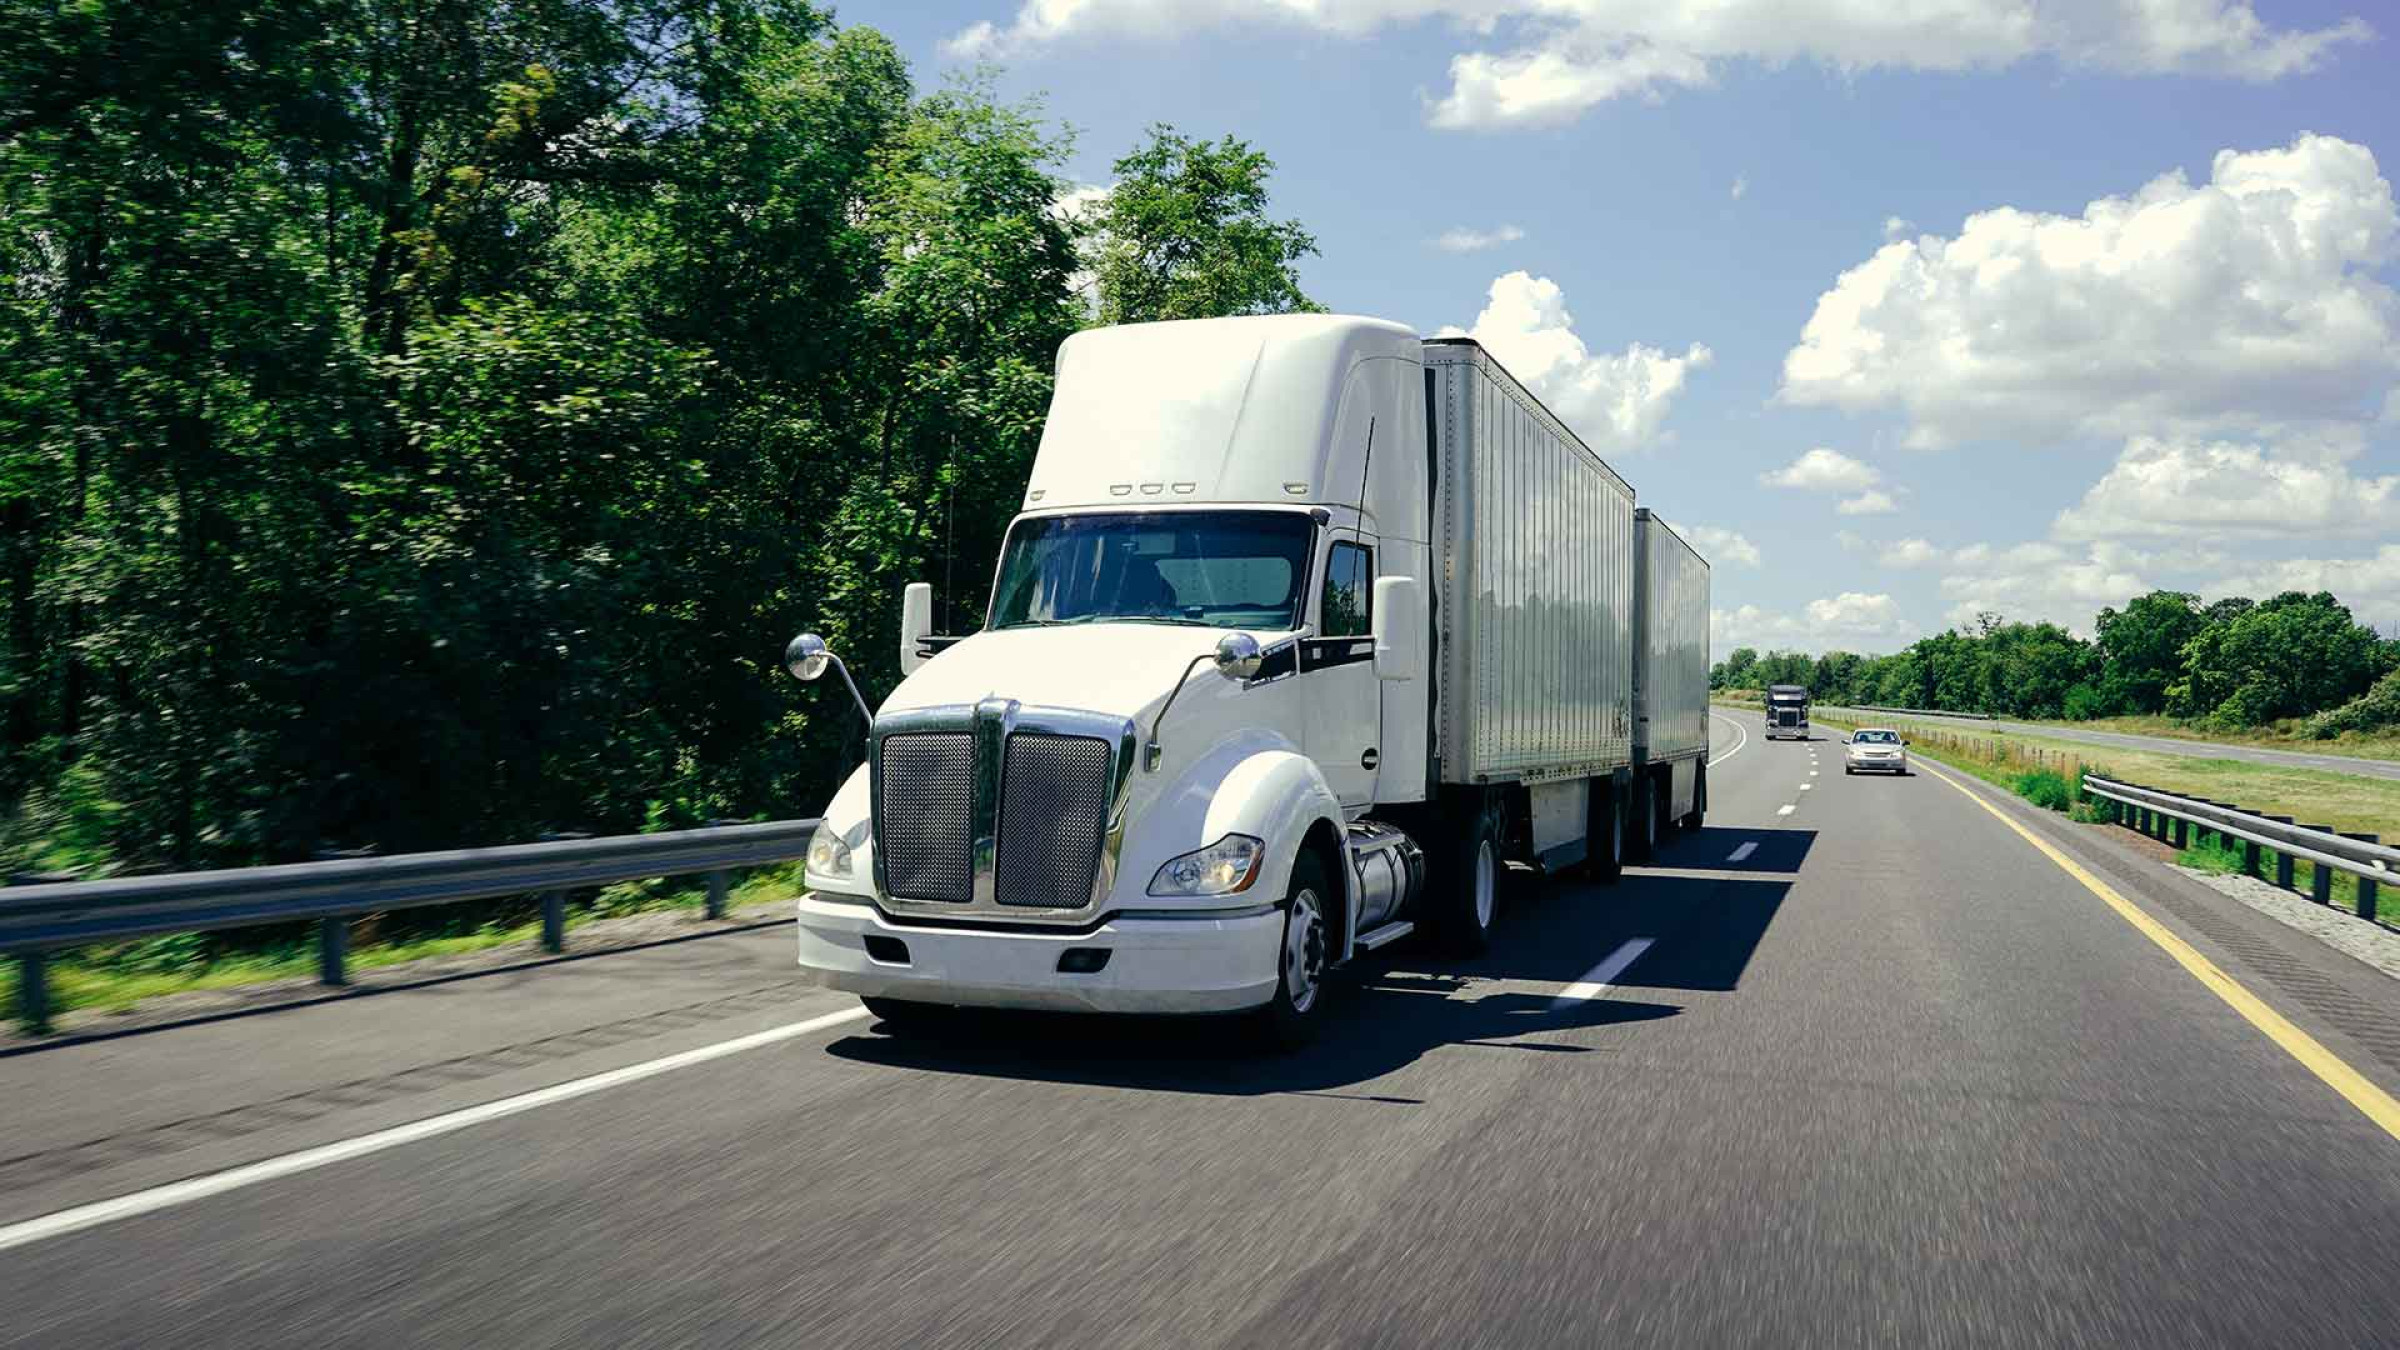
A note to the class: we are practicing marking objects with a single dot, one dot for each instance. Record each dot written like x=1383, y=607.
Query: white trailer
x=1670, y=684
x=1308, y=627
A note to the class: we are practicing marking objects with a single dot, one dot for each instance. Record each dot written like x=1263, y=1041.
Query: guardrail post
x=2366, y=884
x=2249, y=857
x=554, y=903
x=720, y=882
x=333, y=931
x=33, y=968
x=2283, y=858
x=2320, y=877
x=33, y=992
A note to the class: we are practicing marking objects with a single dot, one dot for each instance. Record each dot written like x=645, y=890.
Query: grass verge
x=2049, y=774
x=118, y=975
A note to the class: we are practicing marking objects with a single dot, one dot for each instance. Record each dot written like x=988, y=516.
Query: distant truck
x=1787, y=711
x=1308, y=628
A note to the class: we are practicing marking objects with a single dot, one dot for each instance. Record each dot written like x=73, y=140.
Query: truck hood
x=1125, y=669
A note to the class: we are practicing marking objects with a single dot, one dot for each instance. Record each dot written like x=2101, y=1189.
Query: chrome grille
x=1053, y=819
x=925, y=826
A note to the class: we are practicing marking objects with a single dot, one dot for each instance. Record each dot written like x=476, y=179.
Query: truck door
x=1345, y=699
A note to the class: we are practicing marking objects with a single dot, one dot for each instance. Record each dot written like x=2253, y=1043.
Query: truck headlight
x=1223, y=868
x=828, y=855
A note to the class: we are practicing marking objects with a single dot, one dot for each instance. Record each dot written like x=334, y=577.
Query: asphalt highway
x=1856, y=1064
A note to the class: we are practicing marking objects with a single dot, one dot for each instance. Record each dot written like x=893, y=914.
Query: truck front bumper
x=1202, y=964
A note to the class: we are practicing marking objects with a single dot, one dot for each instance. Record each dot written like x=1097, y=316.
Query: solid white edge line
x=1743, y=852
x=1738, y=730
x=150, y=1201
x=1596, y=980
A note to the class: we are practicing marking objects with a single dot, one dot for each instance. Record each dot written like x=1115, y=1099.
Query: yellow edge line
x=2312, y=1054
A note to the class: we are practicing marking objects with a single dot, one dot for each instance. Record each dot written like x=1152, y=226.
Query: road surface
x=1884, y=1074
x=2166, y=745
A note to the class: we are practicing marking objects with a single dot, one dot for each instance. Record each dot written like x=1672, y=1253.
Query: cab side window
x=1349, y=592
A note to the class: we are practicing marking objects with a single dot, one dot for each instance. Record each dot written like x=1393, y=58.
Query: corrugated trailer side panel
x=1671, y=624
x=1534, y=588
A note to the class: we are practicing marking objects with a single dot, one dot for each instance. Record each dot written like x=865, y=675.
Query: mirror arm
x=855, y=697
x=1152, y=752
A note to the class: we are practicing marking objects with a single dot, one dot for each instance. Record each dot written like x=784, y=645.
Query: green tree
x=1184, y=234
x=2143, y=646
x=2286, y=657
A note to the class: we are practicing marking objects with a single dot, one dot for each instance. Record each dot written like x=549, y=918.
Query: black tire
x=1605, y=848
x=1291, y=1018
x=1849, y=769
x=1474, y=879
x=1641, y=841
x=906, y=1017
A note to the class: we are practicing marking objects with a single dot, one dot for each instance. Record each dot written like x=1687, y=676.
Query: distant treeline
x=2231, y=663
x=423, y=424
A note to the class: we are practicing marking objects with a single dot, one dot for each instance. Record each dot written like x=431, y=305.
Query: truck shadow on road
x=1394, y=1009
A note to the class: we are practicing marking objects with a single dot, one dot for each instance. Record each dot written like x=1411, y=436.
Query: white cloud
x=1824, y=470
x=1560, y=57
x=1614, y=401
x=1552, y=84
x=1852, y=620
x=1910, y=553
x=1741, y=187
x=2039, y=581
x=1894, y=227
x=1850, y=539
x=1872, y=502
x=1465, y=240
x=2245, y=304
x=2370, y=586
x=2183, y=487
x=1720, y=545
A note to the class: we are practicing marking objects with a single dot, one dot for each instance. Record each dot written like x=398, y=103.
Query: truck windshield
x=1214, y=569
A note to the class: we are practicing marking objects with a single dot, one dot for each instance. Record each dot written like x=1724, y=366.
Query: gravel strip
x=2372, y=943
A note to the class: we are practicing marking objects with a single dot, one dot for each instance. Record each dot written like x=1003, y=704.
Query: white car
x=1876, y=750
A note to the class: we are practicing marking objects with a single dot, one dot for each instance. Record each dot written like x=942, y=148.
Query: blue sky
x=1877, y=427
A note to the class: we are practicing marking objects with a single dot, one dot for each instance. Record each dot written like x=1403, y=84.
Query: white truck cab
x=1307, y=626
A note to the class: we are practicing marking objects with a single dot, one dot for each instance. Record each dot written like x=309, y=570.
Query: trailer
x=1670, y=684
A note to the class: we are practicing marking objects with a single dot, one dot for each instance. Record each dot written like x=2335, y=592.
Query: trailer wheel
x=1290, y=1019
x=1476, y=867
x=1641, y=841
x=1607, y=843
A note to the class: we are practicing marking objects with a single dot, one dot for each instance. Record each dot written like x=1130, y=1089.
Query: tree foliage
x=2234, y=662
x=1184, y=234
x=422, y=422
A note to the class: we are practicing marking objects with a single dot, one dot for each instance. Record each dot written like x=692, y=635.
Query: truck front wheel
x=1291, y=1018
x=905, y=1016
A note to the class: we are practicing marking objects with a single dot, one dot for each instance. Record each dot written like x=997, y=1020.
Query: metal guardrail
x=2174, y=816
x=1911, y=712
x=40, y=918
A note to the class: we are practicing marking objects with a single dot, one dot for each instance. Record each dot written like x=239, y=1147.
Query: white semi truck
x=1308, y=628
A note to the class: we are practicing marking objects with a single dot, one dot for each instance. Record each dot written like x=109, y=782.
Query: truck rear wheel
x=1291, y=1018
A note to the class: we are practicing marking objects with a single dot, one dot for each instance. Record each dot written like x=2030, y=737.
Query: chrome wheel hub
x=1304, y=950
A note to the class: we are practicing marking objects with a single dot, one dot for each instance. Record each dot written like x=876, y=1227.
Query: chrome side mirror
x=806, y=658
x=1238, y=657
